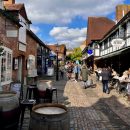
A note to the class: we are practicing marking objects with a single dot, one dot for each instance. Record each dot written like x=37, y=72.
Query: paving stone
x=90, y=109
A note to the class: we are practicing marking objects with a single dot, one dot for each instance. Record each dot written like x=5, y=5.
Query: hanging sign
x=118, y=42
x=89, y=52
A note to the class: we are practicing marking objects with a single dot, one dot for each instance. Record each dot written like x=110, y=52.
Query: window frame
x=10, y=52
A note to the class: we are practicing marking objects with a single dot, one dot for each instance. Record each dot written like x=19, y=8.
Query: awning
x=118, y=52
x=97, y=58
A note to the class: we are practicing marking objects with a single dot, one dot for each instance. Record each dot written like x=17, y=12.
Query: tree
x=76, y=55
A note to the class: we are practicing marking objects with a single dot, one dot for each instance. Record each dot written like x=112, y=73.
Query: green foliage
x=76, y=55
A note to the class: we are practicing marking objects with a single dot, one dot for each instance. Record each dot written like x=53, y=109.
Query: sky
x=65, y=21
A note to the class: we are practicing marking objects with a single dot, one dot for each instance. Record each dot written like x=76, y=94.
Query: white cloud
x=62, y=11
x=35, y=29
x=72, y=37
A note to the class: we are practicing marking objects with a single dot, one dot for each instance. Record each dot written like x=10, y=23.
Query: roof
x=14, y=7
x=18, y=7
x=37, y=39
x=83, y=45
x=10, y=17
x=127, y=16
x=98, y=27
x=62, y=48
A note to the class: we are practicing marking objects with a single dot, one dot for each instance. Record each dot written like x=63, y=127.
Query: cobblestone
x=90, y=109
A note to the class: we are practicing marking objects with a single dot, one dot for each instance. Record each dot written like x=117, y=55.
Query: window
x=108, y=43
x=96, y=52
x=102, y=46
x=6, y=66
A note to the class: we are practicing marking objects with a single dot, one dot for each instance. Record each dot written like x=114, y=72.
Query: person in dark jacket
x=105, y=78
x=84, y=74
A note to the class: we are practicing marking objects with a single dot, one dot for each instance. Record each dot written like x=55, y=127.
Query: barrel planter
x=49, y=117
x=44, y=90
x=43, y=84
x=9, y=111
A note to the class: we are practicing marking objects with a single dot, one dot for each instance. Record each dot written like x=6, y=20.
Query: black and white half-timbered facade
x=115, y=47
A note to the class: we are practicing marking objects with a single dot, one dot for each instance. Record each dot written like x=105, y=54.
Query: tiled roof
x=17, y=7
x=14, y=7
x=98, y=27
x=10, y=16
x=61, y=48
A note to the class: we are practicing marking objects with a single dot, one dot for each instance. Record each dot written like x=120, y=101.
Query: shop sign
x=118, y=42
x=22, y=47
x=11, y=33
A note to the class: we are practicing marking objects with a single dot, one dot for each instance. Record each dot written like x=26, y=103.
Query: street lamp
x=57, y=66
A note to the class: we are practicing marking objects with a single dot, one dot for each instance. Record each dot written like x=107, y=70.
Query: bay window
x=6, y=66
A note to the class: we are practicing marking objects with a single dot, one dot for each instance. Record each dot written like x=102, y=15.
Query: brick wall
x=121, y=10
x=12, y=43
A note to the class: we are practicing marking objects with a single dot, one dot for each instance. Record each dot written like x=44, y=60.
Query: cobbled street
x=90, y=109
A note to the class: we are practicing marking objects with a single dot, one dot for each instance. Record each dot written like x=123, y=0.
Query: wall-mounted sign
x=89, y=52
x=118, y=42
x=11, y=33
x=22, y=47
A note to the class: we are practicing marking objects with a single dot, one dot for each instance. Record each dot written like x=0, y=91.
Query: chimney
x=9, y=2
x=121, y=10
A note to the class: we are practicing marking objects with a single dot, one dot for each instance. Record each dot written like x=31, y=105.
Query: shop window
x=6, y=66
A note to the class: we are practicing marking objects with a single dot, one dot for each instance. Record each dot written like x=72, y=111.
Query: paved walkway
x=90, y=109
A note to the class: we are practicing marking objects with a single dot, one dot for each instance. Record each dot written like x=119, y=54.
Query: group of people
x=80, y=72
x=106, y=74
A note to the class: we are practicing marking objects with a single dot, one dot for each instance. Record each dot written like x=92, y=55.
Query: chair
x=23, y=103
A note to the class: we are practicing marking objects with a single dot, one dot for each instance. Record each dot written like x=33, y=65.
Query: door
x=20, y=69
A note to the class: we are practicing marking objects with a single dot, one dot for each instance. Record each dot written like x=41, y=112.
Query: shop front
x=117, y=60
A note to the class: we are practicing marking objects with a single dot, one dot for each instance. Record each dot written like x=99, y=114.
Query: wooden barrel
x=49, y=117
x=9, y=111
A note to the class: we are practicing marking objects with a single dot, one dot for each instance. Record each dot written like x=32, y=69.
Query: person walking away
x=76, y=71
x=69, y=71
x=105, y=78
x=62, y=70
x=84, y=74
x=110, y=71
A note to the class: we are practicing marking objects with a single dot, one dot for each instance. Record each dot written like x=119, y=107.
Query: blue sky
x=65, y=21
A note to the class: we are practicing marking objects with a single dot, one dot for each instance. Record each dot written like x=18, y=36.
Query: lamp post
x=57, y=67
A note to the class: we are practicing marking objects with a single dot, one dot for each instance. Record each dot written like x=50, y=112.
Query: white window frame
x=103, y=46
x=7, y=70
x=108, y=43
x=97, y=52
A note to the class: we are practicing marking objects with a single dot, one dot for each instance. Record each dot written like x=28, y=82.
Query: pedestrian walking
x=105, y=78
x=69, y=70
x=76, y=71
x=62, y=70
x=84, y=74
